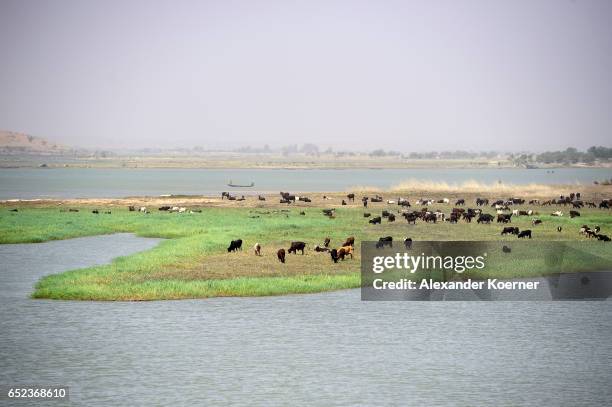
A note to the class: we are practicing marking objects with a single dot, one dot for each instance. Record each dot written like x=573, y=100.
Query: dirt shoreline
x=325, y=199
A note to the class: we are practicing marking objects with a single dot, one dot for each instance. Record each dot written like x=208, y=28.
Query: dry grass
x=472, y=186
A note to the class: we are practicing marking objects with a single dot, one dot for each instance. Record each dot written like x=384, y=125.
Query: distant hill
x=12, y=142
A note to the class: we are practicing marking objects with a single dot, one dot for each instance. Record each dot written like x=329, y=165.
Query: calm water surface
x=323, y=349
x=100, y=183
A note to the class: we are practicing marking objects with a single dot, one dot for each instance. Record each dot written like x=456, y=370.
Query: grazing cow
x=559, y=229
x=408, y=243
x=295, y=246
x=574, y=214
x=604, y=205
x=430, y=217
x=350, y=241
x=257, y=249
x=603, y=238
x=583, y=229
x=285, y=201
x=345, y=251
x=73, y=210
x=131, y=208
x=504, y=218
x=302, y=213
x=235, y=245
x=597, y=229
x=376, y=199
x=403, y=202
x=557, y=213
x=321, y=249
x=454, y=217
x=510, y=230
x=481, y=202
x=329, y=212
x=384, y=241
x=281, y=255
x=365, y=203
x=343, y=202
x=460, y=202
x=391, y=218
x=95, y=211
x=107, y=212
x=261, y=198
x=334, y=255
x=351, y=197
x=385, y=213
x=390, y=202
x=163, y=208
x=367, y=215
x=225, y=195
x=304, y=199
x=485, y=218
x=326, y=242
x=524, y=233
x=506, y=249
x=375, y=220
x=536, y=222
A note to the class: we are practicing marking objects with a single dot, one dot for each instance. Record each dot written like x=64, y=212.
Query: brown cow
x=281, y=255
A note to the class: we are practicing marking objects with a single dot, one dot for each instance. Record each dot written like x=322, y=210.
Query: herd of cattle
x=341, y=253
x=504, y=213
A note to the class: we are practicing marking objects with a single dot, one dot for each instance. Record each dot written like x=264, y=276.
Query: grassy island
x=193, y=261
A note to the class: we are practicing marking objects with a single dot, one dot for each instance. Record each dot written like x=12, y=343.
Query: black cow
x=375, y=220
x=506, y=249
x=408, y=243
x=574, y=214
x=485, y=218
x=261, y=198
x=603, y=238
x=391, y=218
x=334, y=255
x=525, y=233
x=235, y=245
x=504, y=218
x=367, y=215
x=460, y=202
x=384, y=241
x=385, y=213
x=326, y=242
x=510, y=231
x=351, y=197
x=131, y=208
x=295, y=246
x=95, y=211
x=163, y=208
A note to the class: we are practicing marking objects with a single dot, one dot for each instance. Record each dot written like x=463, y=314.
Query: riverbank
x=193, y=262
x=228, y=160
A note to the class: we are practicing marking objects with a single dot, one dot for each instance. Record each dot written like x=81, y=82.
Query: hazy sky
x=401, y=75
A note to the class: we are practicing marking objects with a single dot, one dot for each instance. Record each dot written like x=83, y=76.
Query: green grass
x=193, y=262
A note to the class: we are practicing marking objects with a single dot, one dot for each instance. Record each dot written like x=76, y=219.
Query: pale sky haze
x=358, y=75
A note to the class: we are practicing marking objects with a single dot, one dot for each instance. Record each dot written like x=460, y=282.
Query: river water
x=316, y=350
x=112, y=183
